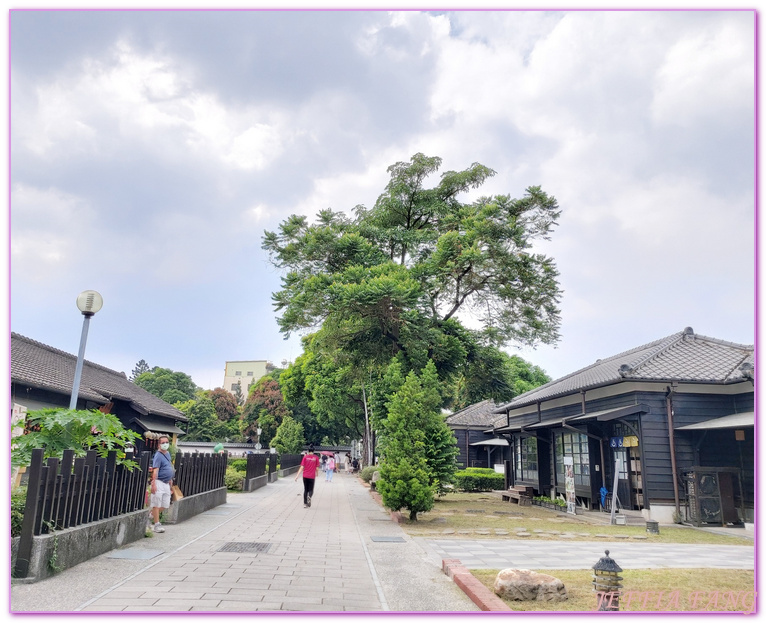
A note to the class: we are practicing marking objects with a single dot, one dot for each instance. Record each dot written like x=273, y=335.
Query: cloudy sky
x=150, y=150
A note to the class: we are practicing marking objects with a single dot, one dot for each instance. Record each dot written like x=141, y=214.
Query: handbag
x=176, y=493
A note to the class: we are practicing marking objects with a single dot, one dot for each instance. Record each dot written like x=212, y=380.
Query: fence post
x=30, y=513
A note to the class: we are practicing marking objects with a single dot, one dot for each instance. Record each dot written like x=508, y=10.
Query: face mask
x=165, y=446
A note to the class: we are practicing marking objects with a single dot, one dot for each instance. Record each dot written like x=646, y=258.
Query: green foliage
x=479, y=480
x=203, y=424
x=367, y=472
x=490, y=373
x=420, y=254
x=56, y=430
x=324, y=391
x=406, y=480
x=18, y=503
x=390, y=283
x=238, y=464
x=265, y=408
x=289, y=438
x=172, y=387
x=545, y=498
x=140, y=368
x=233, y=479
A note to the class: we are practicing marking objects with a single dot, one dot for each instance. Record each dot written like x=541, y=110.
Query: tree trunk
x=413, y=515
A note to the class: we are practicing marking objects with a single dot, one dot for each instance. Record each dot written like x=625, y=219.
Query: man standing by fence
x=309, y=464
x=162, y=477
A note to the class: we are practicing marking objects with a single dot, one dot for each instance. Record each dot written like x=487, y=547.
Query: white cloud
x=50, y=231
x=706, y=74
x=132, y=96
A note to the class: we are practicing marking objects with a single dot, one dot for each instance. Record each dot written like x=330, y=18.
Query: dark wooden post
x=21, y=570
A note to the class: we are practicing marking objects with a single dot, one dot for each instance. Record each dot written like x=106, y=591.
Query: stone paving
x=342, y=554
x=500, y=554
x=262, y=551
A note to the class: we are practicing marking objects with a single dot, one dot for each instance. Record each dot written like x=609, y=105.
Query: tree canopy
x=140, y=368
x=164, y=383
x=418, y=258
x=401, y=281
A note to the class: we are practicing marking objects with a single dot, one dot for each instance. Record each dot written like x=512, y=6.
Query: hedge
x=239, y=464
x=233, y=479
x=479, y=479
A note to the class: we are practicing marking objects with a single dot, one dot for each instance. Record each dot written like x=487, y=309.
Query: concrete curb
x=455, y=571
x=476, y=591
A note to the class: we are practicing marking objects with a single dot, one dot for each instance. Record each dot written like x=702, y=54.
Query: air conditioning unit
x=710, y=495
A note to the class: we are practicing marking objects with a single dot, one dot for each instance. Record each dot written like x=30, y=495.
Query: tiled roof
x=681, y=357
x=479, y=414
x=41, y=366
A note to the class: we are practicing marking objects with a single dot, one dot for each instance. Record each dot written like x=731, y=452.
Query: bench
x=521, y=494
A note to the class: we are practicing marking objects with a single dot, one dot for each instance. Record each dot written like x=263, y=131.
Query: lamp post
x=258, y=432
x=89, y=302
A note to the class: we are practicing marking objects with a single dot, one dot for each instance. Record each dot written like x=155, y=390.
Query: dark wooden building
x=42, y=377
x=470, y=427
x=672, y=418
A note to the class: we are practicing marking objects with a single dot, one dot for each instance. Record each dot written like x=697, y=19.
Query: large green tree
x=265, y=408
x=398, y=280
x=418, y=258
x=164, y=383
x=289, y=437
x=203, y=424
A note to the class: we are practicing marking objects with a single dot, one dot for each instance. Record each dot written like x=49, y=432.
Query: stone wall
x=63, y=549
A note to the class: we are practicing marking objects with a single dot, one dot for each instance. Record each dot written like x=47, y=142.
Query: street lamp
x=89, y=302
x=258, y=432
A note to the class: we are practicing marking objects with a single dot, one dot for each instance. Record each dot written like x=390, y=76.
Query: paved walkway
x=262, y=551
x=491, y=554
x=342, y=554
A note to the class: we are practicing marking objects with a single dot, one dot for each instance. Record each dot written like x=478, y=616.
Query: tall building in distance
x=245, y=373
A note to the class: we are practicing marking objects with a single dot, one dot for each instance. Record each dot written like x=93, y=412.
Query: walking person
x=162, y=478
x=309, y=465
x=348, y=462
x=330, y=468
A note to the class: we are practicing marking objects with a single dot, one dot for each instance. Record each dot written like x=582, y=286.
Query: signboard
x=631, y=441
x=569, y=485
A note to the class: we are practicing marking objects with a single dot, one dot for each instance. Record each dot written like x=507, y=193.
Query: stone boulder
x=525, y=585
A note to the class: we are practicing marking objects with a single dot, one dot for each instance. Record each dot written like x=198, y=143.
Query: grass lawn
x=648, y=590
x=482, y=515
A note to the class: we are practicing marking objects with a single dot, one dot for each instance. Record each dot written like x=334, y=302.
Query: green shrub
x=233, y=479
x=239, y=464
x=487, y=480
x=367, y=472
x=18, y=501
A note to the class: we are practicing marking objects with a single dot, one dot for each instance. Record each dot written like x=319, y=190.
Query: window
x=238, y=373
x=526, y=458
x=234, y=386
x=576, y=446
x=250, y=373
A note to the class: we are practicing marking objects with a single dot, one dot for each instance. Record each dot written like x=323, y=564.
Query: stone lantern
x=606, y=583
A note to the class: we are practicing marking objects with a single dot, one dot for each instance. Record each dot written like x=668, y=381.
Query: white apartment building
x=244, y=372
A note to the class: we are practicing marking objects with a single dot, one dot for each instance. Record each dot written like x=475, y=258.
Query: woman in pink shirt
x=309, y=465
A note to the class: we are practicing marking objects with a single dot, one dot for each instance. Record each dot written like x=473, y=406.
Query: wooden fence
x=287, y=461
x=197, y=473
x=68, y=492
x=256, y=465
x=272, y=463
